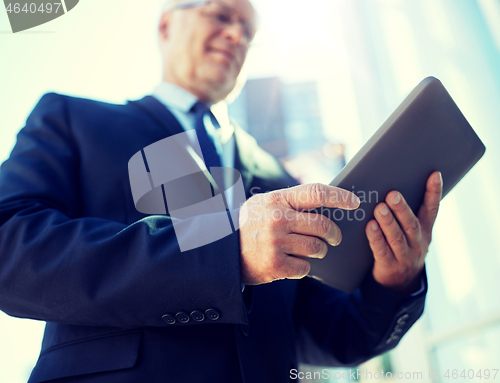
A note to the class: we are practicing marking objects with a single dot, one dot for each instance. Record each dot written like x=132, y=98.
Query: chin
x=221, y=84
x=218, y=79
x=219, y=72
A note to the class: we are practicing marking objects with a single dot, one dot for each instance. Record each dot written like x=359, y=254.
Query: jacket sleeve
x=59, y=266
x=340, y=329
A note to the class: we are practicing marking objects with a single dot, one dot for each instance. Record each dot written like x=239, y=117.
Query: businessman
x=122, y=302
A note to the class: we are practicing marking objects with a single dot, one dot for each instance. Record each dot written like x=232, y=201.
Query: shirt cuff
x=420, y=290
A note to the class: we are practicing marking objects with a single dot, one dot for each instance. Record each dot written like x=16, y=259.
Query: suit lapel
x=166, y=120
x=160, y=114
x=243, y=159
x=257, y=167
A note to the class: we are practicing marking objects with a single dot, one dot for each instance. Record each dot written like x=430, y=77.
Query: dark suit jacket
x=75, y=252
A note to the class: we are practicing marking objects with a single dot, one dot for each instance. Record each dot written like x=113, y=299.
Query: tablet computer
x=427, y=132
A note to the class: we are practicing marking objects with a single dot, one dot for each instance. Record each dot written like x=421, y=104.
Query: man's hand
x=277, y=234
x=400, y=241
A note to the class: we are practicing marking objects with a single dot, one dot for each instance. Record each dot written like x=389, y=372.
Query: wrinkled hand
x=277, y=234
x=400, y=241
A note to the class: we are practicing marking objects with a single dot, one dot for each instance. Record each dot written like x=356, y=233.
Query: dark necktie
x=208, y=149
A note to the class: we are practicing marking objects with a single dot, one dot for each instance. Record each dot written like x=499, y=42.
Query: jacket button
x=182, y=317
x=212, y=314
x=168, y=318
x=392, y=338
x=197, y=316
x=401, y=319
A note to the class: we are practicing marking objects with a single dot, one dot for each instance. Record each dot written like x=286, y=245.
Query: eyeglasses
x=221, y=15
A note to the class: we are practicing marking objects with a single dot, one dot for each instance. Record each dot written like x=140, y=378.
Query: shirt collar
x=175, y=97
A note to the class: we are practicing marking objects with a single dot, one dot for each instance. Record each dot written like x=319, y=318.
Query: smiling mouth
x=228, y=55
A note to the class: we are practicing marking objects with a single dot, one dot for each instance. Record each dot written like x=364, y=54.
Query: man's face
x=205, y=46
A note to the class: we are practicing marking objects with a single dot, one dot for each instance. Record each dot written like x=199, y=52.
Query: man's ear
x=164, y=25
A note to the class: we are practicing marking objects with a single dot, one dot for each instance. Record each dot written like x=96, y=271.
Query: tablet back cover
x=427, y=132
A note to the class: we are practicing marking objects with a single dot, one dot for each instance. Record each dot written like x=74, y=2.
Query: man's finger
x=428, y=211
x=304, y=245
x=408, y=222
x=316, y=225
x=380, y=248
x=391, y=229
x=312, y=196
x=294, y=268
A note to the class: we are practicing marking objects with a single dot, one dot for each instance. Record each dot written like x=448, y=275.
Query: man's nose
x=236, y=33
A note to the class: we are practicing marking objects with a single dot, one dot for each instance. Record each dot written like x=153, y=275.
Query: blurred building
x=285, y=119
